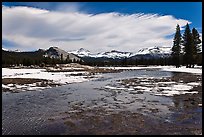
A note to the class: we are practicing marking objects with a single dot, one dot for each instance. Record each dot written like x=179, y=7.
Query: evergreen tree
x=176, y=49
x=196, y=44
x=74, y=60
x=196, y=40
x=187, y=42
x=61, y=56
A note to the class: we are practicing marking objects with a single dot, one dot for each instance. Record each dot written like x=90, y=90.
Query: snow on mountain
x=16, y=50
x=112, y=54
x=5, y=49
x=81, y=52
x=154, y=50
x=11, y=50
x=55, y=52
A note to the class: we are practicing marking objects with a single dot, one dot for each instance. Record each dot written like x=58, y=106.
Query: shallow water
x=30, y=112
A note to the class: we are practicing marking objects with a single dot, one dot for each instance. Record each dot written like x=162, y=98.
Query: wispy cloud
x=67, y=39
x=38, y=28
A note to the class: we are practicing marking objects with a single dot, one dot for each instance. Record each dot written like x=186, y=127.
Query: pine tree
x=176, y=49
x=61, y=56
x=196, y=44
x=196, y=40
x=187, y=42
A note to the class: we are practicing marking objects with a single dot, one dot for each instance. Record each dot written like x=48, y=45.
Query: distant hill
x=28, y=58
x=50, y=56
x=57, y=53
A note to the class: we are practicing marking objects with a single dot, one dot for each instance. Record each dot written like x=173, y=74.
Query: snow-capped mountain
x=151, y=52
x=5, y=49
x=113, y=54
x=81, y=52
x=154, y=50
x=146, y=53
x=11, y=50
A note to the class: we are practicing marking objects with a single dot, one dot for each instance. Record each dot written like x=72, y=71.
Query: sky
x=95, y=26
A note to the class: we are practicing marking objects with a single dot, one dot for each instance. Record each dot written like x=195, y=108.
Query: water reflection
x=29, y=112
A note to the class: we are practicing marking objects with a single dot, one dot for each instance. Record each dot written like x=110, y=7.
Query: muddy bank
x=98, y=121
x=22, y=81
x=185, y=117
x=18, y=84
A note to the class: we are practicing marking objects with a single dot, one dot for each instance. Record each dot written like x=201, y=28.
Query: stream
x=41, y=112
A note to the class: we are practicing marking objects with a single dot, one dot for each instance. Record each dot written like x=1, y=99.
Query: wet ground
x=91, y=108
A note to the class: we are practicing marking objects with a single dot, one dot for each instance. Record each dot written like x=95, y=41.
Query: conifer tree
x=196, y=44
x=176, y=49
x=187, y=42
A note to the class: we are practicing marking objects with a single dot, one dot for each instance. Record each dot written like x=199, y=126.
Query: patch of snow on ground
x=119, y=88
x=166, y=88
x=143, y=88
x=194, y=84
x=181, y=87
x=114, y=88
x=170, y=82
x=196, y=70
x=170, y=88
x=56, y=77
x=131, y=68
x=6, y=72
x=36, y=88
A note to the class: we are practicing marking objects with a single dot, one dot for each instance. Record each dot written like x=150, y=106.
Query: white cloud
x=33, y=28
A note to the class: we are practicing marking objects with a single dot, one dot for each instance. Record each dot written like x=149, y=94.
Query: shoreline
x=47, y=77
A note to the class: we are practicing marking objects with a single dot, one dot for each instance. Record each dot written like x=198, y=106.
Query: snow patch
x=196, y=70
x=114, y=88
x=57, y=77
x=132, y=68
x=181, y=87
x=171, y=88
x=194, y=84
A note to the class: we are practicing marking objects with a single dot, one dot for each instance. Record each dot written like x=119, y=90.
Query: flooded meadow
x=144, y=101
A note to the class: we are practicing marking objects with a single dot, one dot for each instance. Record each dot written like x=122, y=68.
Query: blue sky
x=189, y=11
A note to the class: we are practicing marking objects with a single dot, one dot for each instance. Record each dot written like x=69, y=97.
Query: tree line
x=186, y=48
x=31, y=58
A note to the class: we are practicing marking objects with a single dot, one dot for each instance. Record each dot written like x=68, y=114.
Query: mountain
x=10, y=50
x=57, y=53
x=36, y=57
x=81, y=52
x=112, y=54
x=153, y=52
x=3, y=49
x=28, y=58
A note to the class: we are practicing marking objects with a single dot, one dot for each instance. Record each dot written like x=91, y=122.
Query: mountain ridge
x=148, y=53
x=115, y=54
